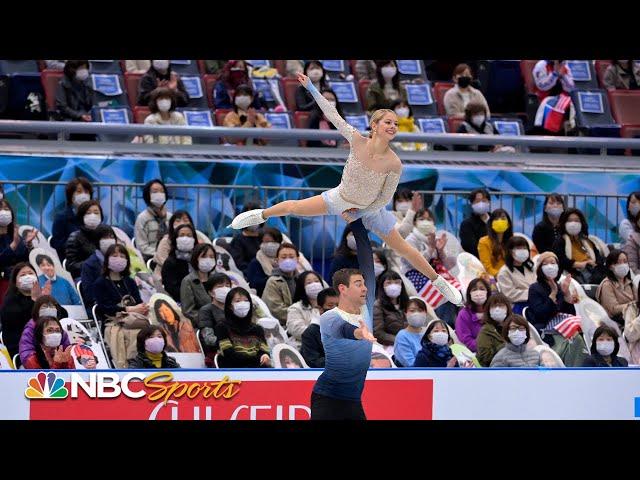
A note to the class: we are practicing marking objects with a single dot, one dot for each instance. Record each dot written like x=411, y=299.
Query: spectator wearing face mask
x=92, y=268
x=160, y=75
x=74, y=96
x=245, y=244
x=423, y=238
x=365, y=70
x=280, y=288
x=176, y=266
x=476, y=121
x=77, y=191
x=44, y=306
x=153, y=222
x=576, y=252
x=517, y=274
x=60, y=287
x=386, y=88
x=244, y=115
x=180, y=217
x=515, y=333
x=13, y=248
x=632, y=246
x=604, y=349
x=47, y=348
x=547, y=230
x=405, y=205
x=629, y=224
x=305, y=306
x=315, y=71
x=162, y=103
x=151, y=343
x=622, y=75
x=217, y=287
x=492, y=247
x=84, y=241
x=311, y=348
x=261, y=267
x=389, y=308
x=242, y=343
x=469, y=320
x=490, y=341
x=408, y=340
x=473, y=228
x=435, y=351
x=552, y=77
x=345, y=255
x=547, y=297
x=232, y=75
x=318, y=121
x=380, y=262
x=616, y=290
x=462, y=94
x=406, y=124
x=193, y=295
x=554, y=82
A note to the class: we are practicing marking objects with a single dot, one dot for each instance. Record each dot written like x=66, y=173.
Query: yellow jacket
x=485, y=245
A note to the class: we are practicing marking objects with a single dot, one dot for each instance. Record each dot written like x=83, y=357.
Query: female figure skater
x=369, y=179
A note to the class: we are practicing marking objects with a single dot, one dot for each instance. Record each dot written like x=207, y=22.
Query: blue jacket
x=107, y=296
x=91, y=271
x=256, y=276
x=9, y=257
x=62, y=290
x=542, y=308
x=221, y=98
x=64, y=224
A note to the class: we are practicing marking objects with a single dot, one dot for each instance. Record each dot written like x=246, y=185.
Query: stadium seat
x=507, y=125
x=24, y=92
x=132, y=82
x=190, y=68
x=209, y=81
x=410, y=77
x=105, y=66
x=337, y=69
x=585, y=119
x=431, y=123
x=301, y=120
x=199, y=117
x=601, y=67
x=281, y=66
x=347, y=90
x=625, y=106
x=220, y=114
x=423, y=110
x=290, y=86
x=630, y=131
x=454, y=123
x=267, y=87
x=8, y=67
x=363, y=86
x=202, y=67
x=584, y=74
x=50, y=80
x=140, y=113
x=193, y=84
x=102, y=100
x=439, y=90
x=502, y=85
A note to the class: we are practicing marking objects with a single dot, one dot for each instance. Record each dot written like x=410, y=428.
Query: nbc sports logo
x=46, y=385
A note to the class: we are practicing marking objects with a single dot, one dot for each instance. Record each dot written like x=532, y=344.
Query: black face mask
x=464, y=82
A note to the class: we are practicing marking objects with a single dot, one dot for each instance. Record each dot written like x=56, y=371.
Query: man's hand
x=363, y=333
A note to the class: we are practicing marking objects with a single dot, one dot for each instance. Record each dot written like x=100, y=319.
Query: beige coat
x=632, y=331
x=632, y=248
x=614, y=296
x=454, y=103
x=514, y=285
x=299, y=318
x=278, y=298
x=175, y=118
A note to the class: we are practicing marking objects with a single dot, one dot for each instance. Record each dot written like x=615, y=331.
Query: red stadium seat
x=454, y=123
x=281, y=66
x=290, y=87
x=363, y=86
x=601, y=67
x=301, y=120
x=50, y=80
x=629, y=131
x=201, y=67
x=439, y=89
x=131, y=82
x=526, y=68
x=625, y=106
x=209, y=80
x=220, y=114
x=140, y=113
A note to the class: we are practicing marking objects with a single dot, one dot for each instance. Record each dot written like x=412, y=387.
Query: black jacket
x=73, y=99
x=314, y=123
x=80, y=246
x=472, y=229
x=542, y=308
x=544, y=234
x=141, y=361
x=15, y=313
x=567, y=264
x=108, y=296
x=312, y=349
x=149, y=82
x=243, y=249
x=596, y=360
x=487, y=129
x=64, y=224
x=173, y=271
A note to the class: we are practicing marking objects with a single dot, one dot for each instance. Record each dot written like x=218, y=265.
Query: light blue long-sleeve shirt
x=62, y=291
x=407, y=346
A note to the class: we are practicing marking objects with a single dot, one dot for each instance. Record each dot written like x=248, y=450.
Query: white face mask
x=80, y=198
x=403, y=207
x=82, y=74
x=621, y=270
x=393, y=290
x=402, y=112
x=517, y=337
x=157, y=199
x=426, y=227
x=313, y=289
x=105, y=243
x=117, y=264
x=554, y=212
x=417, y=319
x=26, y=282
x=220, y=293
x=388, y=72
x=605, y=347
x=92, y=220
x=479, y=297
x=573, y=228
x=314, y=74
x=270, y=249
x=52, y=340
x=634, y=208
x=478, y=120
x=5, y=218
x=161, y=64
x=498, y=313
x=243, y=102
x=351, y=242
x=550, y=270
x=521, y=254
x=439, y=338
x=378, y=268
x=481, y=208
x=205, y=265
x=241, y=308
x=185, y=244
x=48, y=312
x=164, y=104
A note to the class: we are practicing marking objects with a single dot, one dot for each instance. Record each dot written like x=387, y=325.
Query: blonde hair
x=375, y=118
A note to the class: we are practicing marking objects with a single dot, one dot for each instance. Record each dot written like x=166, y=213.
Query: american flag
x=566, y=325
x=426, y=289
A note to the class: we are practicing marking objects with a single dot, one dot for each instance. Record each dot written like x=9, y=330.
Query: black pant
x=327, y=408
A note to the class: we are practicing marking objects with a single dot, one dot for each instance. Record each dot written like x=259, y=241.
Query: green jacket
x=488, y=343
x=376, y=98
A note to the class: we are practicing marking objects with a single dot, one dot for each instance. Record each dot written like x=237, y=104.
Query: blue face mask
x=288, y=265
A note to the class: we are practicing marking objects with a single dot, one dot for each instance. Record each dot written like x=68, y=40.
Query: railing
x=214, y=206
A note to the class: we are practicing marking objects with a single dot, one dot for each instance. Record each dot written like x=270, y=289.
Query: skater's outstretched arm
x=329, y=110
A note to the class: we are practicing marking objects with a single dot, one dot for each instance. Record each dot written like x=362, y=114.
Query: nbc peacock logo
x=46, y=386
